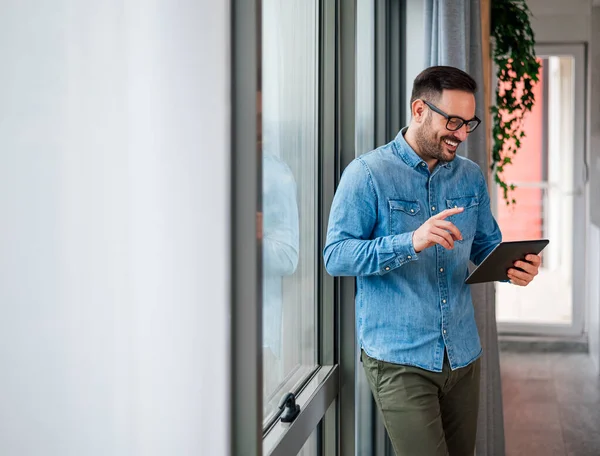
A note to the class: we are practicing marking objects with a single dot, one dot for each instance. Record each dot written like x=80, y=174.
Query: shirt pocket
x=405, y=216
x=466, y=221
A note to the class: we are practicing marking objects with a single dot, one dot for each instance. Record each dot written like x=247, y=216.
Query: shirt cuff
x=403, y=247
x=404, y=252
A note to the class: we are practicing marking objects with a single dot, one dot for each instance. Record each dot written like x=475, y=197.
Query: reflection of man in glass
x=280, y=240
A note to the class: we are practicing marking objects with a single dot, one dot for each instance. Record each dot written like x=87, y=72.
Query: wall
x=114, y=196
x=558, y=21
x=594, y=192
x=524, y=220
x=595, y=115
x=594, y=295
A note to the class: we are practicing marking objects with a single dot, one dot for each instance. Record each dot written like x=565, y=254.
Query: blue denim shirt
x=280, y=242
x=410, y=306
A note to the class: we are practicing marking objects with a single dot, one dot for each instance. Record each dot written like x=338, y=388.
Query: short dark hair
x=431, y=82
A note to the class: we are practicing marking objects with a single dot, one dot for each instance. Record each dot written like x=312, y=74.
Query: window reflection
x=289, y=119
x=280, y=257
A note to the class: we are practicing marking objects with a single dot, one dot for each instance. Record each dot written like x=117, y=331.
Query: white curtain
x=453, y=37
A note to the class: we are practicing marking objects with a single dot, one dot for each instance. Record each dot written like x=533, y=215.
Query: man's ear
x=418, y=110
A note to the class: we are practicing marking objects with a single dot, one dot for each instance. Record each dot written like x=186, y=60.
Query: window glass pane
x=365, y=141
x=365, y=76
x=289, y=201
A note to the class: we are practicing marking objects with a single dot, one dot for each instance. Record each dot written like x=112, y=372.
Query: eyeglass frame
x=448, y=118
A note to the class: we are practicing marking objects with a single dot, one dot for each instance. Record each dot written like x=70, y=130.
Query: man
x=280, y=246
x=278, y=228
x=406, y=219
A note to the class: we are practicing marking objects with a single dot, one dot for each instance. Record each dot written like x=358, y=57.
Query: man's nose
x=461, y=133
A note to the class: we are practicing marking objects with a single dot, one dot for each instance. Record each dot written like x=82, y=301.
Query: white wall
x=594, y=295
x=594, y=108
x=560, y=21
x=114, y=198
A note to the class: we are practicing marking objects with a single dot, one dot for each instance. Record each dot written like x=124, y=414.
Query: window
x=310, y=448
x=289, y=104
x=286, y=312
x=365, y=76
x=365, y=142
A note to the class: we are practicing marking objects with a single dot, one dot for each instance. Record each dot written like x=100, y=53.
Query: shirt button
x=433, y=208
x=387, y=268
x=409, y=257
x=412, y=210
x=441, y=269
x=444, y=331
x=422, y=163
x=444, y=301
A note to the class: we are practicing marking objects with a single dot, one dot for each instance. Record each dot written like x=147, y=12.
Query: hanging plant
x=517, y=72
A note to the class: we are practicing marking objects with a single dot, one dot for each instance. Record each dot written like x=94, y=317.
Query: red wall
x=523, y=220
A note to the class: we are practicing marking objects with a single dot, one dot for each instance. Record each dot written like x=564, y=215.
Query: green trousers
x=426, y=413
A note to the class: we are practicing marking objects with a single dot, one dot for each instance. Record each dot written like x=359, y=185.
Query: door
x=549, y=172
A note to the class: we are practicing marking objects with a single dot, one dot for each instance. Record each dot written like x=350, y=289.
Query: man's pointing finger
x=448, y=212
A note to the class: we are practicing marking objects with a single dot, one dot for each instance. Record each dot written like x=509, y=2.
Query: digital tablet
x=494, y=267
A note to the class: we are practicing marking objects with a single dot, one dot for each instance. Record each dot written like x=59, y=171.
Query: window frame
x=327, y=399
x=321, y=391
x=245, y=407
x=391, y=38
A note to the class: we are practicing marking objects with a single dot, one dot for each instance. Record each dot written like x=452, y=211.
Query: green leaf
x=517, y=72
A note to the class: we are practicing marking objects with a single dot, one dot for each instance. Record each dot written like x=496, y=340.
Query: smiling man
x=405, y=220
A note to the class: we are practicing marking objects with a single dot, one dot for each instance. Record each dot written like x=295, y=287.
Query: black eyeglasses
x=454, y=122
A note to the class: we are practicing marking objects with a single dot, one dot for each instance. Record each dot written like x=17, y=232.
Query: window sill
x=285, y=439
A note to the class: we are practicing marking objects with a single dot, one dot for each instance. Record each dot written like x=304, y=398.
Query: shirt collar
x=407, y=153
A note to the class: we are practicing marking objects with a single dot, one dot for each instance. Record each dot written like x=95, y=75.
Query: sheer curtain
x=453, y=37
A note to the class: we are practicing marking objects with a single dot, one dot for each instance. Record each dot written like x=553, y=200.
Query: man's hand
x=530, y=270
x=437, y=230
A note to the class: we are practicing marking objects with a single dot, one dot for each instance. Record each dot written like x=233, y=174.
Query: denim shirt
x=280, y=242
x=410, y=306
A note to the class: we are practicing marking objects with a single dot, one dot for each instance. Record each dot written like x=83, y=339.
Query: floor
x=551, y=404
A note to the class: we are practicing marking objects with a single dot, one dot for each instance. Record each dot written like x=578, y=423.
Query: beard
x=432, y=147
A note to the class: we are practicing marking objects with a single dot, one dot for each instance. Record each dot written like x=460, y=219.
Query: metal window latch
x=289, y=407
